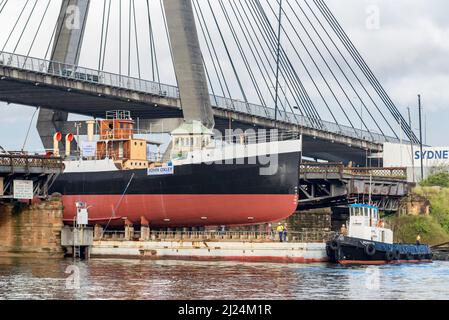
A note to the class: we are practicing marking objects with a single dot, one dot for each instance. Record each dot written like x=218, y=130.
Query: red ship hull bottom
x=183, y=210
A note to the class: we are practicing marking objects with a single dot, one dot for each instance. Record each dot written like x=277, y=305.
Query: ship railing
x=313, y=236
x=255, y=137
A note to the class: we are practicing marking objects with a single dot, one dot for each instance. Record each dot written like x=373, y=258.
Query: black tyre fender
x=370, y=249
x=410, y=256
x=390, y=256
x=397, y=255
x=328, y=250
x=334, y=245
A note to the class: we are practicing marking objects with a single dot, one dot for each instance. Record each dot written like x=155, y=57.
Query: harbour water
x=176, y=280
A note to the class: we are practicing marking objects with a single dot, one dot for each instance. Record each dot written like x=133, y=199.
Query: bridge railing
x=397, y=173
x=26, y=161
x=93, y=76
x=340, y=169
x=77, y=73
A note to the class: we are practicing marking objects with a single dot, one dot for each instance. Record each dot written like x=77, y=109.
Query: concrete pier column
x=129, y=232
x=98, y=232
x=188, y=62
x=69, y=34
x=144, y=233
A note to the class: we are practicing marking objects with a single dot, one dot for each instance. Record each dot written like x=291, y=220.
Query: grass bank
x=434, y=229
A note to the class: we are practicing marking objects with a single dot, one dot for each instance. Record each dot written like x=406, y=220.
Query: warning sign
x=23, y=190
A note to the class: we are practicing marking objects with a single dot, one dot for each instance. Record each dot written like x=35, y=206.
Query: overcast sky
x=405, y=42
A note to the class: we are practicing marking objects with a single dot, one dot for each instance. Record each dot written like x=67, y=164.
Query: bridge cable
x=245, y=98
x=251, y=43
x=107, y=36
x=330, y=70
x=308, y=71
x=80, y=44
x=154, y=59
x=37, y=32
x=167, y=33
x=242, y=53
x=15, y=25
x=357, y=57
x=136, y=38
x=329, y=67
x=312, y=112
x=267, y=44
x=270, y=35
x=129, y=38
x=120, y=40
x=256, y=53
x=152, y=45
x=52, y=38
x=350, y=67
x=200, y=23
x=244, y=57
x=4, y=5
x=330, y=18
x=29, y=129
x=102, y=34
x=270, y=39
x=207, y=35
x=340, y=68
x=278, y=49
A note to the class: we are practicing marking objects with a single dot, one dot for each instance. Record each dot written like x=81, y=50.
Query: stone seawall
x=31, y=231
x=311, y=220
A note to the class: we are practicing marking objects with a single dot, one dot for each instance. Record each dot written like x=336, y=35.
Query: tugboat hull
x=347, y=250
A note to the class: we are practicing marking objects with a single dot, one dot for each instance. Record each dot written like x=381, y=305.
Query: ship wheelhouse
x=365, y=223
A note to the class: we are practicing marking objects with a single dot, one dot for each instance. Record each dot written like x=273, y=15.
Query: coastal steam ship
x=205, y=182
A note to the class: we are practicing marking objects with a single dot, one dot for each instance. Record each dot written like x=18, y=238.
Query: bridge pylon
x=188, y=62
x=69, y=34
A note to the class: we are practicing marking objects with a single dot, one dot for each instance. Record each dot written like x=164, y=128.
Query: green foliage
x=434, y=229
x=406, y=229
x=439, y=203
x=438, y=179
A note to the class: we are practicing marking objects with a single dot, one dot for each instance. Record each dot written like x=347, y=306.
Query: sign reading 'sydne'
x=161, y=171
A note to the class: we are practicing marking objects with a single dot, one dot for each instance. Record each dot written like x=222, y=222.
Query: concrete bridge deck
x=42, y=83
x=332, y=184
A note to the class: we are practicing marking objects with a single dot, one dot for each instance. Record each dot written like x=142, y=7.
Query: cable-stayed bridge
x=254, y=63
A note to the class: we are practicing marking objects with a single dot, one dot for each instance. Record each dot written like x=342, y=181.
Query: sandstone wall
x=29, y=231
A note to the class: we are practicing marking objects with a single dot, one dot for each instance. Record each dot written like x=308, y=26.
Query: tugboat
x=366, y=241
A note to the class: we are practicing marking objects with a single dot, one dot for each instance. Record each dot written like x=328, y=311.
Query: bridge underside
x=49, y=92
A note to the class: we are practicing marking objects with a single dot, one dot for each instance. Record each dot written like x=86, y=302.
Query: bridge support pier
x=188, y=62
x=66, y=49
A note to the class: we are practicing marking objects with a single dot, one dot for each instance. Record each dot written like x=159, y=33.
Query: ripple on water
x=135, y=279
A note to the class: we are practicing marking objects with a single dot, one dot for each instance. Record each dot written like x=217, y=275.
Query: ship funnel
x=56, y=139
x=68, y=141
x=90, y=130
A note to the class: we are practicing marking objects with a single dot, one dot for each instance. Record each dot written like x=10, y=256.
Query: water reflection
x=134, y=279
